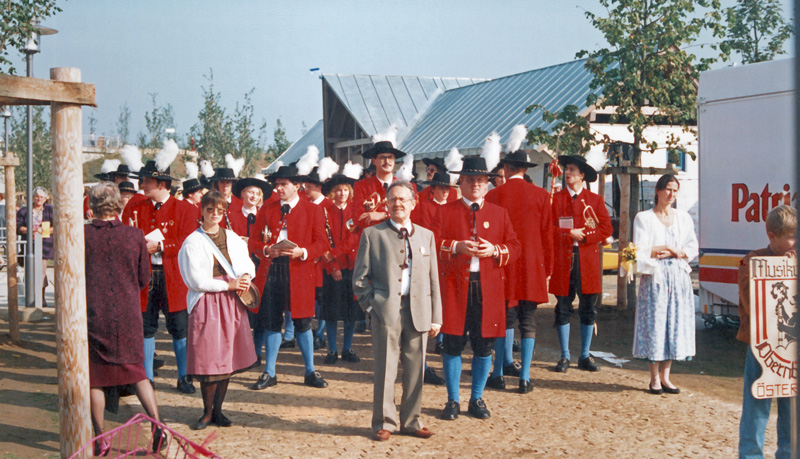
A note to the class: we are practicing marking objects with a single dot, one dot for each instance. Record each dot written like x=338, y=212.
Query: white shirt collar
x=470, y=203
x=319, y=199
x=247, y=212
x=397, y=226
x=573, y=193
x=516, y=176
x=385, y=183
x=291, y=203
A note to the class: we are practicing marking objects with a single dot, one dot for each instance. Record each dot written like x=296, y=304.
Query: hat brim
x=518, y=163
x=589, y=174
x=432, y=183
x=474, y=172
x=334, y=181
x=241, y=184
x=216, y=178
x=433, y=161
x=373, y=152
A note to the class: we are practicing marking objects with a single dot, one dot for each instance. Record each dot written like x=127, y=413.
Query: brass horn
x=589, y=216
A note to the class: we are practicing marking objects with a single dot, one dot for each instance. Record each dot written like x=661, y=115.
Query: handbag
x=250, y=298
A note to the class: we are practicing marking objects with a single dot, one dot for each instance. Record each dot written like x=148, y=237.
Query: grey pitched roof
x=464, y=117
x=314, y=136
x=377, y=101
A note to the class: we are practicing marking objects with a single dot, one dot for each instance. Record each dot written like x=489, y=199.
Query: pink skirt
x=219, y=341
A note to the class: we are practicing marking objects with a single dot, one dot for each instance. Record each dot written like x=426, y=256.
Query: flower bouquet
x=627, y=259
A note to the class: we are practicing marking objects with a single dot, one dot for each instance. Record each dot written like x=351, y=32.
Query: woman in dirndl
x=665, y=320
x=216, y=268
x=338, y=303
x=117, y=268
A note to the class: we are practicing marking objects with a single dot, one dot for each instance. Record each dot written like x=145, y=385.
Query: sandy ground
x=603, y=414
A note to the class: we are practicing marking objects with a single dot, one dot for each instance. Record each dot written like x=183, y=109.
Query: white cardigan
x=196, y=260
x=648, y=232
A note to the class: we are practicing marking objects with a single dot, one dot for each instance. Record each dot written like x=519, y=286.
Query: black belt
x=157, y=267
x=475, y=277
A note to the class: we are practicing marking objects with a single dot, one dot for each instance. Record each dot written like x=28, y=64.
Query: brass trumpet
x=135, y=220
x=590, y=219
x=373, y=202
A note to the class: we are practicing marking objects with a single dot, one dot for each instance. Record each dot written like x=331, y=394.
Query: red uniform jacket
x=528, y=208
x=345, y=241
x=239, y=222
x=591, y=272
x=493, y=224
x=318, y=264
x=133, y=200
x=305, y=226
x=426, y=214
x=176, y=219
x=365, y=190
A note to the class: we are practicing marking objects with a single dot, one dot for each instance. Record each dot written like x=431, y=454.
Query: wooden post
x=9, y=161
x=70, y=283
x=624, y=234
x=601, y=190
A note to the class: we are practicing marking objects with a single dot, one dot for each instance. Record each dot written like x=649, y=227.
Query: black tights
x=213, y=396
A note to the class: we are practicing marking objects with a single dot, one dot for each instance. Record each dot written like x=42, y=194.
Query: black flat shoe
x=656, y=391
x=477, y=409
x=160, y=439
x=588, y=364
x=221, y=420
x=185, y=385
x=264, y=381
x=525, y=386
x=314, y=379
x=670, y=390
x=432, y=378
x=451, y=410
x=562, y=366
x=496, y=382
x=513, y=369
x=350, y=356
x=199, y=425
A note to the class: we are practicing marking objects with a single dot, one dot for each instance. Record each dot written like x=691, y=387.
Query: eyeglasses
x=400, y=200
x=212, y=210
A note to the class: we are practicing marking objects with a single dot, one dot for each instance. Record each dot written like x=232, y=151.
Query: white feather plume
x=191, y=170
x=490, y=151
x=327, y=167
x=109, y=165
x=406, y=171
x=234, y=163
x=166, y=155
x=390, y=135
x=353, y=171
x=260, y=176
x=309, y=161
x=131, y=156
x=206, y=168
x=454, y=162
x=597, y=159
x=516, y=137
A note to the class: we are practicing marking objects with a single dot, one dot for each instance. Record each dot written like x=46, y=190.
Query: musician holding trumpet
x=580, y=224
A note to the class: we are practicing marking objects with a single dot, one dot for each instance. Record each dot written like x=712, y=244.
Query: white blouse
x=648, y=232
x=196, y=261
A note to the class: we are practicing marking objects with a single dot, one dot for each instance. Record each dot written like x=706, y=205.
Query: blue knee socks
x=586, y=339
x=288, y=325
x=480, y=372
x=149, y=354
x=179, y=346
x=330, y=326
x=563, y=339
x=305, y=341
x=258, y=341
x=509, y=355
x=452, y=375
x=273, y=340
x=349, y=329
x=527, y=356
x=499, y=356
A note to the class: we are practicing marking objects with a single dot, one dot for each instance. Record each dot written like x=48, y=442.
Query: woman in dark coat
x=42, y=224
x=117, y=268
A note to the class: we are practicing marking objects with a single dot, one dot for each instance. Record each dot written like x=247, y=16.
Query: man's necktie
x=385, y=187
x=158, y=205
x=475, y=206
x=407, y=251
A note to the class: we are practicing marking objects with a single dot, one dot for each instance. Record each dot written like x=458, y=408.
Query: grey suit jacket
x=378, y=270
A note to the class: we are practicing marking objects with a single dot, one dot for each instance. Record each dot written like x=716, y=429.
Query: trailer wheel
x=709, y=321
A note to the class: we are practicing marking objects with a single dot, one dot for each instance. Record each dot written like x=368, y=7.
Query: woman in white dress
x=665, y=302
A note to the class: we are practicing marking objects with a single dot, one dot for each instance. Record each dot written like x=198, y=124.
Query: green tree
x=757, y=30
x=249, y=141
x=156, y=121
x=280, y=142
x=42, y=153
x=123, y=123
x=214, y=131
x=16, y=19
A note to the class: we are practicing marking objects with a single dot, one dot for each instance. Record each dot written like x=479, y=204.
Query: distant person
x=216, y=266
x=665, y=304
x=42, y=224
x=781, y=230
x=116, y=254
x=396, y=280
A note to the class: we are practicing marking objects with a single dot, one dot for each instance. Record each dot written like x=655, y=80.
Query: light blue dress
x=665, y=322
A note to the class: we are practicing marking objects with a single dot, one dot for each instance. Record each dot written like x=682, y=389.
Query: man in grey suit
x=396, y=280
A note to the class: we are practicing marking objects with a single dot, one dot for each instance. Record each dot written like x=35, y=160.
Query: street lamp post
x=32, y=46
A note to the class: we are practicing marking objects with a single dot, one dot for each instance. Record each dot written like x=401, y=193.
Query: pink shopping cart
x=135, y=437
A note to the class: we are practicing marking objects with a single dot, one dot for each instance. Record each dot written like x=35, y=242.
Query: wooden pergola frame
x=65, y=94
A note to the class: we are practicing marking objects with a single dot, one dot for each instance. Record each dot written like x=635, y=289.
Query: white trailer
x=746, y=125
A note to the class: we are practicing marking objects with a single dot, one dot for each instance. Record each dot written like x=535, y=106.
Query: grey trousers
x=390, y=343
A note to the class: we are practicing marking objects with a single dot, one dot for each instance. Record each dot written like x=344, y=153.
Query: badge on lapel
x=422, y=250
x=486, y=225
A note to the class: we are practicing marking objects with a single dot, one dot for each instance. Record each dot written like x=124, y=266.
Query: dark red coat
x=493, y=224
x=133, y=200
x=365, y=190
x=345, y=241
x=591, y=271
x=426, y=214
x=528, y=208
x=239, y=223
x=317, y=262
x=176, y=219
x=305, y=226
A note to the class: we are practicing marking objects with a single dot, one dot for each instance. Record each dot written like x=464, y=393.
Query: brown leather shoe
x=382, y=435
x=421, y=433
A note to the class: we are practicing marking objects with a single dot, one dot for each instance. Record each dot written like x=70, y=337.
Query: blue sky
x=130, y=48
